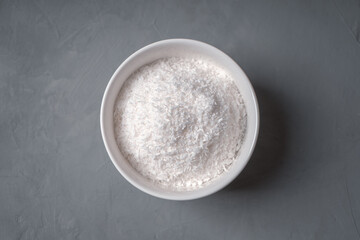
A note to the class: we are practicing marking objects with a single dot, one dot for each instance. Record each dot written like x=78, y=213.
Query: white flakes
x=180, y=122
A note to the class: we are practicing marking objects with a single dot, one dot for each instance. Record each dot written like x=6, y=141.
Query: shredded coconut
x=180, y=122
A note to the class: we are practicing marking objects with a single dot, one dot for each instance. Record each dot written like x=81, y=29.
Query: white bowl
x=180, y=48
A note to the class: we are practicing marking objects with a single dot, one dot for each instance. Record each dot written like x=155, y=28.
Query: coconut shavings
x=180, y=122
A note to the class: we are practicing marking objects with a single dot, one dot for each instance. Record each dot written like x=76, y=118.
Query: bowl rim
x=194, y=194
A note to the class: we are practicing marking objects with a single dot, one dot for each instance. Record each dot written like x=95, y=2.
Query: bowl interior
x=179, y=48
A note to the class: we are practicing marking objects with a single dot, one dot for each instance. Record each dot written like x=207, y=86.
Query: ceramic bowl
x=178, y=48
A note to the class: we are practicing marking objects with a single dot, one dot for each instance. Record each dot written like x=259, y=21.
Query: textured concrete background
x=56, y=180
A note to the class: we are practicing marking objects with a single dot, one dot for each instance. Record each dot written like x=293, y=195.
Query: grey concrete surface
x=56, y=180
